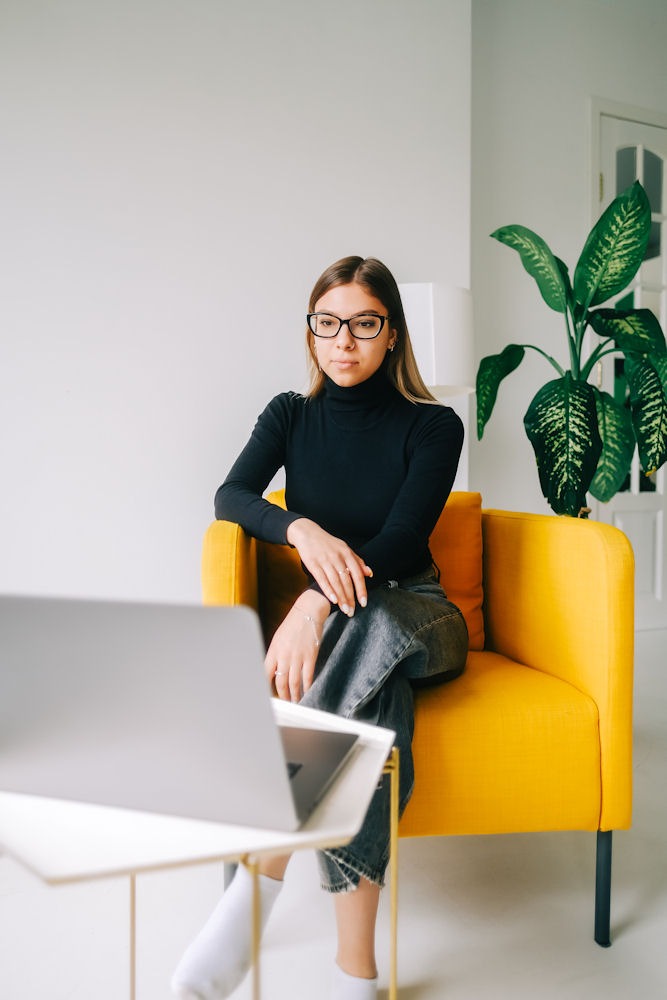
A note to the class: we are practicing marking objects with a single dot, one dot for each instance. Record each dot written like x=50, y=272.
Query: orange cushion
x=456, y=544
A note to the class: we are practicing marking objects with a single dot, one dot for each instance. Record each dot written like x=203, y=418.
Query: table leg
x=133, y=936
x=253, y=869
x=391, y=768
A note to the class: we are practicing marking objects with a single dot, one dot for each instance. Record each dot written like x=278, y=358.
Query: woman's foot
x=221, y=954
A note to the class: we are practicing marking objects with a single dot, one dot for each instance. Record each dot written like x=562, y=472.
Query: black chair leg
x=603, y=889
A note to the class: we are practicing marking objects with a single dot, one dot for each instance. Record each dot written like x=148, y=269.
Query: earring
x=392, y=346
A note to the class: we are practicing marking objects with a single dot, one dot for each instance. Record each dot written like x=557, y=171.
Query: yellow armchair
x=537, y=734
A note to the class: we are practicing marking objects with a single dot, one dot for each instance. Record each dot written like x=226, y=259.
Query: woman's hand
x=290, y=660
x=338, y=571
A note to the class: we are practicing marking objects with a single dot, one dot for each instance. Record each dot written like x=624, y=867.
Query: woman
x=369, y=458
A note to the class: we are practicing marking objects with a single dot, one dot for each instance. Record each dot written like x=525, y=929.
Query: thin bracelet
x=309, y=618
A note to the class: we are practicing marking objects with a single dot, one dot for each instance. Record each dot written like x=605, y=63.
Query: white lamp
x=439, y=319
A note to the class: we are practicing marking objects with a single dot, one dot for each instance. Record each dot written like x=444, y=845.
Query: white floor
x=481, y=918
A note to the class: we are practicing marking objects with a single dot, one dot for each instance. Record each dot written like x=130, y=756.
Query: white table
x=85, y=842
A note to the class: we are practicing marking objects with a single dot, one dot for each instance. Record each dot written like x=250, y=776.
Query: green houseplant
x=582, y=438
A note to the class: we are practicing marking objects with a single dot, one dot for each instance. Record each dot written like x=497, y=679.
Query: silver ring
x=280, y=673
x=344, y=572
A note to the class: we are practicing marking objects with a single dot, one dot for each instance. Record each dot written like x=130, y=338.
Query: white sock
x=220, y=956
x=346, y=987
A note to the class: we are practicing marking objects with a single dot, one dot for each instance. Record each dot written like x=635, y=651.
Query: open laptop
x=160, y=708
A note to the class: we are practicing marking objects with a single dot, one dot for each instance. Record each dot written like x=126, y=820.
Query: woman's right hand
x=338, y=571
x=292, y=654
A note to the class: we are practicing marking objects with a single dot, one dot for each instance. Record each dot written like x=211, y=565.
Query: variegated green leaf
x=614, y=249
x=561, y=424
x=631, y=329
x=618, y=447
x=647, y=378
x=492, y=370
x=539, y=261
x=659, y=362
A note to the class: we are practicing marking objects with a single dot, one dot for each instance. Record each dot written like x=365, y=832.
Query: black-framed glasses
x=363, y=326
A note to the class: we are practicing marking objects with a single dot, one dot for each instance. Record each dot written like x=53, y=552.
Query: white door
x=633, y=149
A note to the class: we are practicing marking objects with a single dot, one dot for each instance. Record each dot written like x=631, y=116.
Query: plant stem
x=552, y=361
x=581, y=330
x=597, y=355
x=574, y=344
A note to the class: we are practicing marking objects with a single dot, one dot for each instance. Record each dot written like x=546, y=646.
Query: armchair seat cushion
x=504, y=748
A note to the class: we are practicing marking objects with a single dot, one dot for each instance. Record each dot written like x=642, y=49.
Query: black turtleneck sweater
x=363, y=462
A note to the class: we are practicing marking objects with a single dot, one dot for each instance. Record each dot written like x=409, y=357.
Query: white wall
x=536, y=64
x=175, y=176
x=169, y=195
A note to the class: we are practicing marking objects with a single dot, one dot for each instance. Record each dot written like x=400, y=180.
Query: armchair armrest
x=229, y=565
x=559, y=597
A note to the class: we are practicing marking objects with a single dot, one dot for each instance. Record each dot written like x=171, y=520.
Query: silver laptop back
x=161, y=708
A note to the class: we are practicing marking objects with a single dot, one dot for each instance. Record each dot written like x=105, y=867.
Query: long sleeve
x=240, y=498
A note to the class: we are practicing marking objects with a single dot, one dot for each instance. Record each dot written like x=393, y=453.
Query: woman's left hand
x=292, y=654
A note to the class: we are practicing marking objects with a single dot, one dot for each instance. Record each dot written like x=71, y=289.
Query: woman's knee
x=439, y=651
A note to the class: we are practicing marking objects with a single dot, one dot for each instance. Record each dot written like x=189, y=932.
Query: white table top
x=64, y=841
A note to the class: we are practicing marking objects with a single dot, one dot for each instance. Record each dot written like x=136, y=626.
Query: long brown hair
x=377, y=279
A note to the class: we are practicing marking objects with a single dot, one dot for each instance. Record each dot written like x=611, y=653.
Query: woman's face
x=345, y=359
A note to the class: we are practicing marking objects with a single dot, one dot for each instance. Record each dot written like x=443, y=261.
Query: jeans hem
x=351, y=871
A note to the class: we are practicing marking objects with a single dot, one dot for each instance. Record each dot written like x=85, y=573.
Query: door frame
x=600, y=107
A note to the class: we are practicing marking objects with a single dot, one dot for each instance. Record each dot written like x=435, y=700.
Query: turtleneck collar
x=372, y=390
x=357, y=407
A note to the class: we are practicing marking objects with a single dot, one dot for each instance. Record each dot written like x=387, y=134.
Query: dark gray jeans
x=408, y=635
